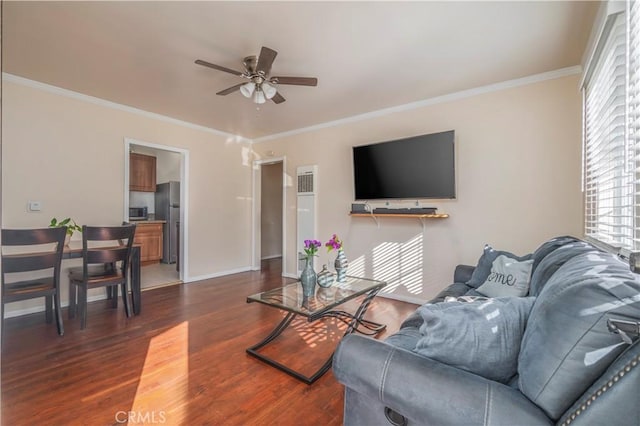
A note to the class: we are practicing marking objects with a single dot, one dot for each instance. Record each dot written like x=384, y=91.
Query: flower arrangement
x=333, y=244
x=311, y=248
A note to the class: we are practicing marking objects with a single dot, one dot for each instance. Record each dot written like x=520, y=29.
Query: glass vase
x=341, y=264
x=308, y=279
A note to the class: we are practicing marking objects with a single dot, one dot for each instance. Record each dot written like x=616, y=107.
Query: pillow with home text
x=485, y=263
x=508, y=277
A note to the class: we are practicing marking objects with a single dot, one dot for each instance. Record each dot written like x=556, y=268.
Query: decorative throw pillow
x=483, y=269
x=482, y=337
x=508, y=277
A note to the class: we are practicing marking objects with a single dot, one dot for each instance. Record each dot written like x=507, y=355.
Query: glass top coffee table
x=322, y=305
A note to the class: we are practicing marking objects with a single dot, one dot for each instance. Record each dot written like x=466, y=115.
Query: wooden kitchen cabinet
x=149, y=236
x=142, y=172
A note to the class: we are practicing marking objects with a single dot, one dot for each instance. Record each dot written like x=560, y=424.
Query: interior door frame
x=184, y=196
x=256, y=197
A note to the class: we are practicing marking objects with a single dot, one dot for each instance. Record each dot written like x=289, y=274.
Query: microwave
x=138, y=213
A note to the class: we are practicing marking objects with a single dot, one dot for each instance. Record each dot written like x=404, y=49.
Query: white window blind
x=608, y=155
x=633, y=108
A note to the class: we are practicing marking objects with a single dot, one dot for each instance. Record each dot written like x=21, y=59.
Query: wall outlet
x=35, y=206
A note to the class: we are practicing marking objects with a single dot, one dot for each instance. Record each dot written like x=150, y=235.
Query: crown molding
x=11, y=78
x=536, y=78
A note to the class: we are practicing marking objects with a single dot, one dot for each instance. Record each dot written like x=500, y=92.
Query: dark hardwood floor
x=181, y=362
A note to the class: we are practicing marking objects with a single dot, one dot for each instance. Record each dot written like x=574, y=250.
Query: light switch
x=35, y=206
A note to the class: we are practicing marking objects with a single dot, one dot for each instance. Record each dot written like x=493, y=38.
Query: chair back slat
x=28, y=237
x=29, y=262
x=107, y=255
x=107, y=233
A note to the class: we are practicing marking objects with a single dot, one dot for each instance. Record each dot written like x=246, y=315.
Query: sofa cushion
x=482, y=336
x=485, y=263
x=405, y=338
x=564, y=249
x=566, y=345
x=548, y=247
x=508, y=277
x=455, y=289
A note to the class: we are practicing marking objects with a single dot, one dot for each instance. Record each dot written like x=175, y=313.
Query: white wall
x=518, y=160
x=518, y=179
x=69, y=154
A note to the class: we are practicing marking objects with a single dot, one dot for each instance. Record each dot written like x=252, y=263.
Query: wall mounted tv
x=416, y=167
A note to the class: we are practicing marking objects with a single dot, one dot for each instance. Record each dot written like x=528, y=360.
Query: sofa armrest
x=463, y=273
x=427, y=391
x=613, y=398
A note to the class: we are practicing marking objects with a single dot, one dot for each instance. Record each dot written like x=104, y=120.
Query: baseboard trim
x=153, y=287
x=218, y=274
x=275, y=256
x=37, y=309
x=401, y=298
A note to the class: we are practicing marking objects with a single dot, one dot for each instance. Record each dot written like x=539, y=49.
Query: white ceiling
x=366, y=55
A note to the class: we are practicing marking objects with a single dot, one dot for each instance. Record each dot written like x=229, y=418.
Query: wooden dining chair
x=106, y=254
x=20, y=256
x=111, y=294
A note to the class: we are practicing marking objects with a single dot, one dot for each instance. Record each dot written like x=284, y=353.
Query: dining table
x=74, y=251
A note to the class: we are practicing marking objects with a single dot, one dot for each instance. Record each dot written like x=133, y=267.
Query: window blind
x=633, y=108
x=609, y=157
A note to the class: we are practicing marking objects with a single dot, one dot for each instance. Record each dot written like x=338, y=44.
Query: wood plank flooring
x=181, y=362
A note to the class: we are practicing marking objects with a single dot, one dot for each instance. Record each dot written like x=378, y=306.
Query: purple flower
x=311, y=247
x=334, y=243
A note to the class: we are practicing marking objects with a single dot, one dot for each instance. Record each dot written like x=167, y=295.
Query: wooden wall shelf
x=422, y=217
x=415, y=216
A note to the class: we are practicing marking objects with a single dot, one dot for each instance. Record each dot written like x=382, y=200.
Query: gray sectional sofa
x=575, y=363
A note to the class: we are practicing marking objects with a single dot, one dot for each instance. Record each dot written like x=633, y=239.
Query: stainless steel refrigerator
x=168, y=209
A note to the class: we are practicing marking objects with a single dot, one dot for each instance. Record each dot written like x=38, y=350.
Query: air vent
x=305, y=183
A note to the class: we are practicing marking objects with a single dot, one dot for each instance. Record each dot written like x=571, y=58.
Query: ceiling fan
x=260, y=86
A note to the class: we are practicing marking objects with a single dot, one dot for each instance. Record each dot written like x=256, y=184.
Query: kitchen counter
x=142, y=222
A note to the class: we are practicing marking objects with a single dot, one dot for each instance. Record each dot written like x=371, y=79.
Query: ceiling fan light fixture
x=269, y=90
x=259, y=97
x=247, y=89
x=260, y=86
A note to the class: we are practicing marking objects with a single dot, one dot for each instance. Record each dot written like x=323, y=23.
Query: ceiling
x=366, y=55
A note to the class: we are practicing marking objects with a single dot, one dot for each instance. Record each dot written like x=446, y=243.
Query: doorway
x=167, y=213
x=269, y=214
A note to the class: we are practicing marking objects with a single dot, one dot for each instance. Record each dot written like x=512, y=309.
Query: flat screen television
x=412, y=168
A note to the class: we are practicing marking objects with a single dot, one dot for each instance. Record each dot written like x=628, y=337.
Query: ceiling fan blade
x=217, y=67
x=298, y=81
x=230, y=89
x=278, y=98
x=265, y=60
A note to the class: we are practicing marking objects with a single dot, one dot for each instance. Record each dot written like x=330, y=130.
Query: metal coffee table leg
x=354, y=322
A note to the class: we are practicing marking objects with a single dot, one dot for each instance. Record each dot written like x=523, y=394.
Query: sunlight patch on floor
x=318, y=331
x=164, y=381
